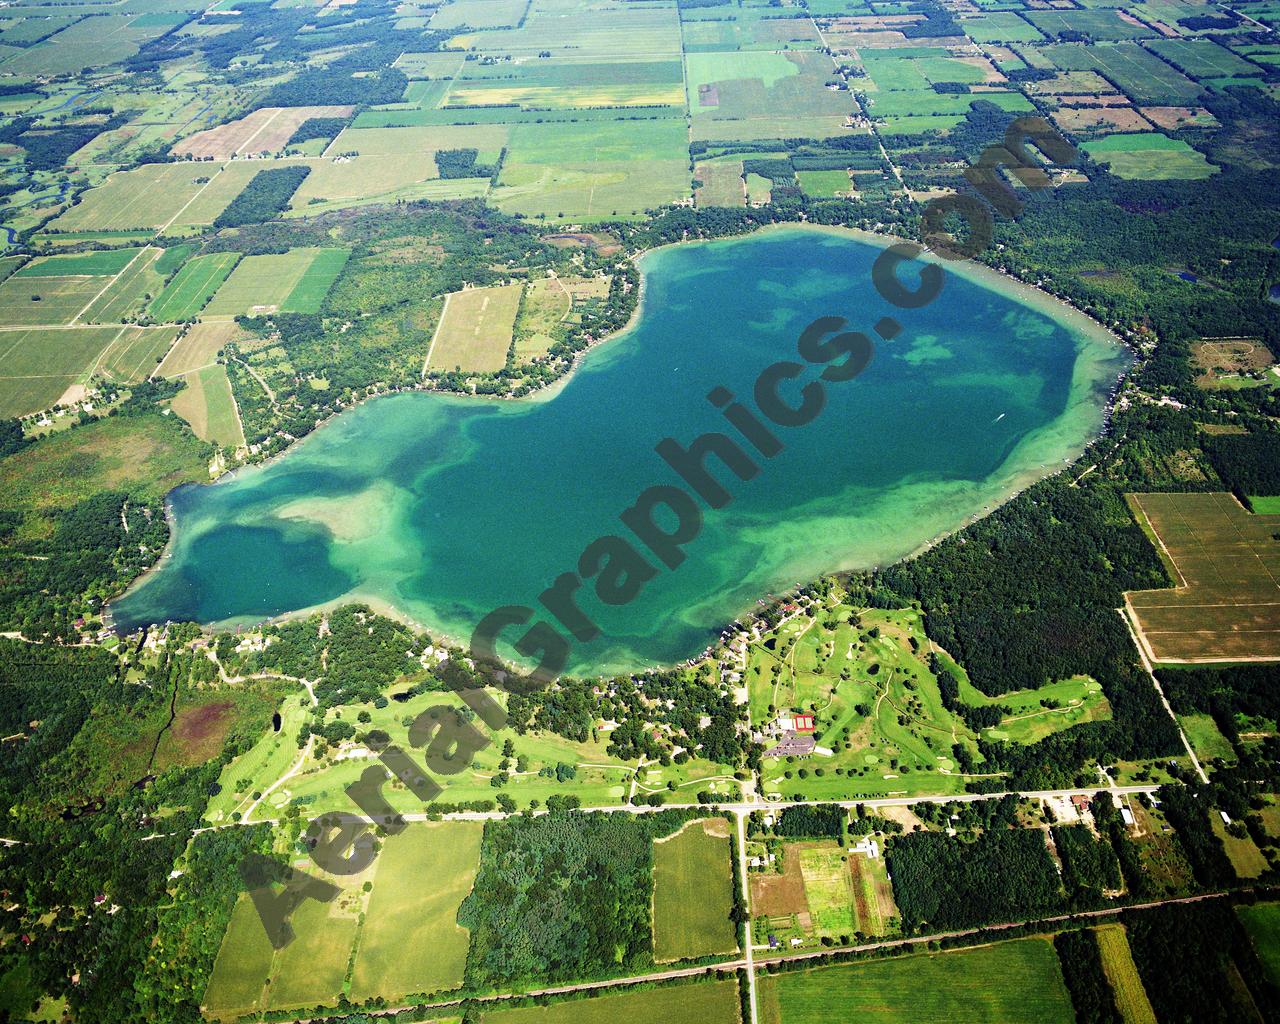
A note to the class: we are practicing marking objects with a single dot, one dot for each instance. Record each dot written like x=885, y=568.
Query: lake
x=443, y=508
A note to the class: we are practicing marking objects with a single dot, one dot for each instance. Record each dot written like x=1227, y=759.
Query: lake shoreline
x=1019, y=480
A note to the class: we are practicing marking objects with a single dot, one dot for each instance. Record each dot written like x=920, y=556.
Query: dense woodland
x=535, y=911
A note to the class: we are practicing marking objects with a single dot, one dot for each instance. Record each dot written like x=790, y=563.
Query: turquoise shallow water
x=445, y=508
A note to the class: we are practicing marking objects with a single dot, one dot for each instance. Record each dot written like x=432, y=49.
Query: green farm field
x=692, y=893
x=104, y=263
x=190, y=289
x=411, y=941
x=288, y=281
x=1149, y=156
x=1143, y=76
x=704, y=1002
x=1007, y=982
x=148, y=197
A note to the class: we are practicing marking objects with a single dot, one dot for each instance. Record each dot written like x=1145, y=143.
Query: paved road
x=742, y=808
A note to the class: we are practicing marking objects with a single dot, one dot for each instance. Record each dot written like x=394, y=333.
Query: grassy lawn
x=1007, y=982
x=692, y=893
x=411, y=940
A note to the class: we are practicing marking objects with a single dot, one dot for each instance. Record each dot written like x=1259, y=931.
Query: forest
x=943, y=882
x=534, y=912
x=266, y=195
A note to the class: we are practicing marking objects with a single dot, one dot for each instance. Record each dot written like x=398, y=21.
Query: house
x=867, y=846
x=1126, y=815
x=1081, y=802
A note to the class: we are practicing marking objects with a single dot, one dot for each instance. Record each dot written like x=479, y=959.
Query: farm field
x=475, y=329
x=191, y=288
x=1143, y=76
x=266, y=130
x=822, y=890
x=411, y=941
x=206, y=403
x=1008, y=981
x=296, y=281
x=1149, y=156
x=199, y=347
x=692, y=893
x=1224, y=604
x=151, y=196
x=705, y=1002
x=593, y=171
x=1122, y=974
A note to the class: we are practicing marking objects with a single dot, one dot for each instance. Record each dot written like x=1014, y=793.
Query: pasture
x=1006, y=982
x=411, y=941
x=1122, y=974
x=693, y=893
x=713, y=1002
x=475, y=329
x=1224, y=605
x=1149, y=156
x=191, y=288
